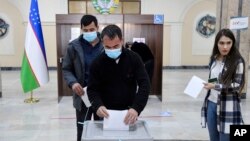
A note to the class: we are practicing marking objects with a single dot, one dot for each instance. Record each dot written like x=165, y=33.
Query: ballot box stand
x=93, y=131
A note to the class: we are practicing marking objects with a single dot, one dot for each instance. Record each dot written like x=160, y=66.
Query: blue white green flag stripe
x=34, y=71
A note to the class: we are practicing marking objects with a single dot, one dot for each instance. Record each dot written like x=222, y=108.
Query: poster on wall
x=238, y=23
x=75, y=33
x=139, y=40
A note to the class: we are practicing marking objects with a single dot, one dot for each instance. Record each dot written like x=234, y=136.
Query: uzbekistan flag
x=34, y=71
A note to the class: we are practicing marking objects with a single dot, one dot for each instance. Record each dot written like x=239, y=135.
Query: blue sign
x=158, y=19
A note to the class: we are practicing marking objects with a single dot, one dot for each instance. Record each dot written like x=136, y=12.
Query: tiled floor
x=52, y=121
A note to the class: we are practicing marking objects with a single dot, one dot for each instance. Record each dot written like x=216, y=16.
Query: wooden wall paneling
x=110, y=19
x=59, y=74
x=131, y=7
x=64, y=19
x=138, y=19
x=154, y=37
x=63, y=37
x=86, y=6
x=105, y=20
x=63, y=27
x=77, y=7
x=142, y=26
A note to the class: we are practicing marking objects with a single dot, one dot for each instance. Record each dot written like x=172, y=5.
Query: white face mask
x=90, y=36
x=113, y=53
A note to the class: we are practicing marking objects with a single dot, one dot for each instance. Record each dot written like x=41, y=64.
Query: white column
x=230, y=8
x=175, y=44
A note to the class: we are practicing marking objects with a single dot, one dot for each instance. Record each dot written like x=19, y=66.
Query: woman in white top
x=221, y=107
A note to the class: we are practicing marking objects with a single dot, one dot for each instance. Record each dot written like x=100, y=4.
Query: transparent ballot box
x=93, y=131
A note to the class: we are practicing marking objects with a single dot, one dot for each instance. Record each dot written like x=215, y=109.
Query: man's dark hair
x=88, y=19
x=112, y=31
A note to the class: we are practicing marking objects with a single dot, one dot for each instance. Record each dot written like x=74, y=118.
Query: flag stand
x=31, y=99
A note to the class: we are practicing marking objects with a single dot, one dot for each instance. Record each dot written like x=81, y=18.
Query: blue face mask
x=90, y=36
x=113, y=53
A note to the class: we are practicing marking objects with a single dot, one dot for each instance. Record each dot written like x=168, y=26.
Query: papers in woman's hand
x=194, y=87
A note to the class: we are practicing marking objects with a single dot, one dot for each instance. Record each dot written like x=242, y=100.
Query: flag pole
x=31, y=99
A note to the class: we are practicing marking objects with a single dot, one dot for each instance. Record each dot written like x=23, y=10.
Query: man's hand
x=77, y=88
x=131, y=117
x=102, y=112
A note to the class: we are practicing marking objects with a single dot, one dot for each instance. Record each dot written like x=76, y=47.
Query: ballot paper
x=85, y=98
x=115, y=121
x=194, y=87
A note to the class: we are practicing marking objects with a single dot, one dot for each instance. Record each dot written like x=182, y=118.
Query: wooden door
x=142, y=26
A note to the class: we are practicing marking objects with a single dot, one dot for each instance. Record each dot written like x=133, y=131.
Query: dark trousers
x=81, y=116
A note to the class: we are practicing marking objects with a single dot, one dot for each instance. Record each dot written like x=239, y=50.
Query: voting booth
x=93, y=131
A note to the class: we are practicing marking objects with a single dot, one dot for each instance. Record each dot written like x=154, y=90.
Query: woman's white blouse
x=216, y=70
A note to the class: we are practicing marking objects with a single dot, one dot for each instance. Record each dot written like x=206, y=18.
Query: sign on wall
x=238, y=23
x=158, y=19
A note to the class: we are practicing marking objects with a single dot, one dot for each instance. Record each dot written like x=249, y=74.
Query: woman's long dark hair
x=231, y=60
